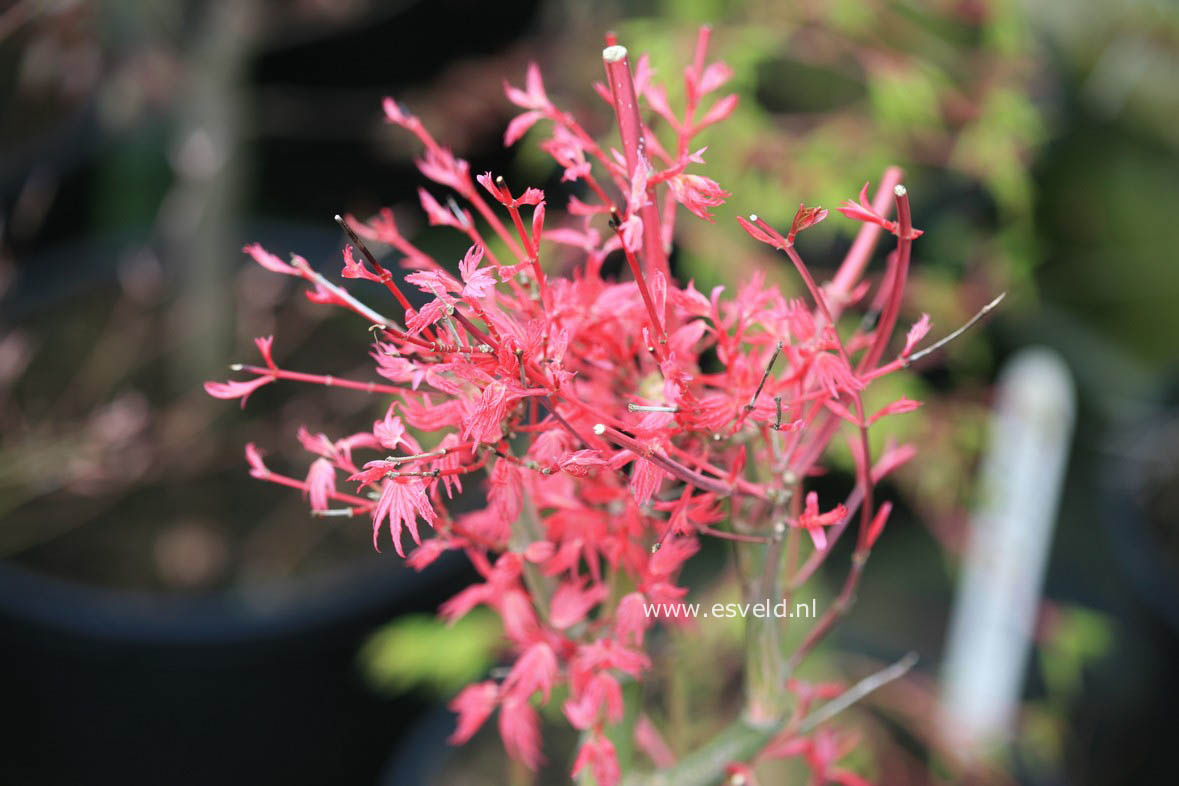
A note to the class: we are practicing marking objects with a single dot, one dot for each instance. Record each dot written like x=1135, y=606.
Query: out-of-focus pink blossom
x=814, y=521
x=597, y=752
x=474, y=705
x=233, y=389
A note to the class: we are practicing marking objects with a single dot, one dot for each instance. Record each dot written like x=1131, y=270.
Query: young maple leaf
x=402, y=502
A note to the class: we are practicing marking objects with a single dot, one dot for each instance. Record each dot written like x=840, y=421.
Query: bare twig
x=764, y=377
x=743, y=739
x=858, y=691
x=982, y=312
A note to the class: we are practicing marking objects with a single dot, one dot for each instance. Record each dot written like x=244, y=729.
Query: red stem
x=323, y=379
x=898, y=267
x=852, y=268
x=399, y=335
x=641, y=281
x=678, y=470
x=630, y=129
x=398, y=242
x=385, y=275
x=742, y=485
x=412, y=473
x=735, y=536
x=863, y=468
x=532, y=252
x=852, y=503
x=283, y=480
x=888, y=319
x=592, y=182
x=837, y=609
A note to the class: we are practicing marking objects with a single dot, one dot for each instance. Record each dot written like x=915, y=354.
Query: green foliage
x=420, y=651
x=832, y=93
x=1078, y=637
x=992, y=148
x=905, y=98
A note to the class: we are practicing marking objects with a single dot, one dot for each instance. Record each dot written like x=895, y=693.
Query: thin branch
x=703, y=482
x=733, y=536
x=386, y=276
x=349, y=300
x=336, y=513
x=641, y=282
x=982, y=312
x=327, y=380
x=744, y=739
x=855, y=693
x=651, y=408
x=764, y=377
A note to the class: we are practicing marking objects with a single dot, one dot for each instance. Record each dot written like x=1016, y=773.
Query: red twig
x=630, y=129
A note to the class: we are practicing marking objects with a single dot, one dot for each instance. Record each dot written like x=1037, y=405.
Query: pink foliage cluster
x=611, y=423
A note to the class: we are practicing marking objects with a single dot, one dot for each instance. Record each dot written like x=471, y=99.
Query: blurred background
x=165, y=619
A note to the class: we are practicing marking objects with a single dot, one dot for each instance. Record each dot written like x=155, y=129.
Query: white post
x=999, y=591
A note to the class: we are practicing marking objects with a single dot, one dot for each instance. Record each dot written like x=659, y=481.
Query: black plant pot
x=422, y=752
x=1121, y=722
x=102, y=687
x=1141, y=493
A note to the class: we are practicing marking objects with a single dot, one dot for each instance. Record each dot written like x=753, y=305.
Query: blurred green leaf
x=421, y=651
x=905, y=97
x=1041, y=736
x=1078, y=637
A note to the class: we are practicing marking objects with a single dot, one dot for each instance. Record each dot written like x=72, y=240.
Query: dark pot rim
x=271, y=610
